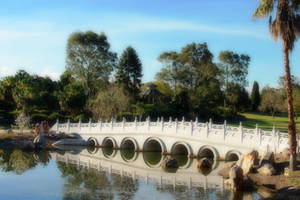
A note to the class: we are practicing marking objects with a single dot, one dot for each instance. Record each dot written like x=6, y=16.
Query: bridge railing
x=221, y=133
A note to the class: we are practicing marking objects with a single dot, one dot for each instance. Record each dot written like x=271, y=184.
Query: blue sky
x=33, y=33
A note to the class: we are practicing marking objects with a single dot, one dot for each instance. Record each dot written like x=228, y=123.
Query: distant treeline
x=99, y=84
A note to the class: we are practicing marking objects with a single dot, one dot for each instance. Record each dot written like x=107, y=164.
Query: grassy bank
x=267, y=122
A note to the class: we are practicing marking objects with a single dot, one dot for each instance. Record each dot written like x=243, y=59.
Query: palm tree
x=284, y=24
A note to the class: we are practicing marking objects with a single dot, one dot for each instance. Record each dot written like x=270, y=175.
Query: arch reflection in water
x=108, y=152
x=138, y=168
x=129, y=155
x=153, y=159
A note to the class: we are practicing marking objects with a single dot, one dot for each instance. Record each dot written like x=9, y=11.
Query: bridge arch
x=93, y=142
x=109, y=142
x=181, y=148
x=232, y=155
x=154, y=144
x=129, y=143
x=208, y=152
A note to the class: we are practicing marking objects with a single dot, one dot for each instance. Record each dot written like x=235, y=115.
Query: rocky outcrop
x=248, y=161
x=267, y=170
x=169, y=162
x=39, y=141
x=74, y=142
x=267, y=158
x=204, y=166
x=226, y=168
x=236, y=178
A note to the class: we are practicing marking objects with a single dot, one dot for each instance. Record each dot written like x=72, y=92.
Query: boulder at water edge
x=236, y=178
x=266, y=170
x=169, y=162
x=39, y=141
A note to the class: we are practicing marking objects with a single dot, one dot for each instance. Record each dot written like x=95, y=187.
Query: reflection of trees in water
x=183, y=192
x=83, y=183
x=20, y=161
x=125, y=186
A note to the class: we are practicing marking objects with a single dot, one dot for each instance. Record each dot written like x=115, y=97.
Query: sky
x=34, y=33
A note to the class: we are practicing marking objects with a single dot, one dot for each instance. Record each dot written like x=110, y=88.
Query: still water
x=106, y=174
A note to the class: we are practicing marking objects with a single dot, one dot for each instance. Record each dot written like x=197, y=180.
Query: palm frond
x=297, y=24
x=264, y=9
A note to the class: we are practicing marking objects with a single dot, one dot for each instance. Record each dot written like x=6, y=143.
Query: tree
x=23, y=121
x=71, y=95
x=272, y=101
x=90, y=60
x=129, y=72
x=255, y=97
x=234, y=69
x=110, y=103
x=284, y=24
x=171, y=72
x=192, y=70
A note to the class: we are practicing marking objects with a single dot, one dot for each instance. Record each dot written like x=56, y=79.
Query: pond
x=105, y=173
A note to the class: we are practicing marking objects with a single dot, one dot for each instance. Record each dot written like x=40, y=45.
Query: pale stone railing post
x=57, y=123
x=90, y=124
x=274, y=137
x=123, y=123
x=192, y=128
x=100, y=124
x=176, y=125
x=148, y=123
x=241, y=131
x=112, y=123
x=260, y=136
x=135, y=122
x=68, y=125
x=207, y=129
x=210, y=123
x=79, y=124
x=162, y=124
x=170, y=119
x=225, y=129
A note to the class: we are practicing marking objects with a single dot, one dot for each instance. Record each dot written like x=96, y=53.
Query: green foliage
x=193, y=71
x=272, y=101
x=129, y=72
x=255, y=96
x=109, y=103
x=90, y=60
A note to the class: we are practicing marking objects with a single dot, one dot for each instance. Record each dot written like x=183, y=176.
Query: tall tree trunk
x=291, y=125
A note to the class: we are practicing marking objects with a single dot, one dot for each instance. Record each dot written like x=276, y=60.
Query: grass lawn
x=266, y=122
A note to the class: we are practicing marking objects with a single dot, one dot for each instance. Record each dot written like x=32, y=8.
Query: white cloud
x=136, y=24
x=50, y=73
x=6, y=71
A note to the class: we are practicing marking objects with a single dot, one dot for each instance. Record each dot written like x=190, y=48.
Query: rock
x=226, y=168
x=236, y=178
x=26, y=145
x=39, y=141
x=266, y=192
x=266, y=170
x=75, y=142
x=204, y=166
x=267, y=158
x=169, y=162
x=204, y=163
x=285, y=153
x=248, y=161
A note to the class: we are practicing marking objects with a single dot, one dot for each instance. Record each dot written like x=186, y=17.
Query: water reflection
x=18, y=161
x=122, y=174
x=83, y=183
x=153, y=159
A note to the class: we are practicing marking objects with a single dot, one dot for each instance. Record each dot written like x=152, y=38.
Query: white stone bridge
x=178, y=137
